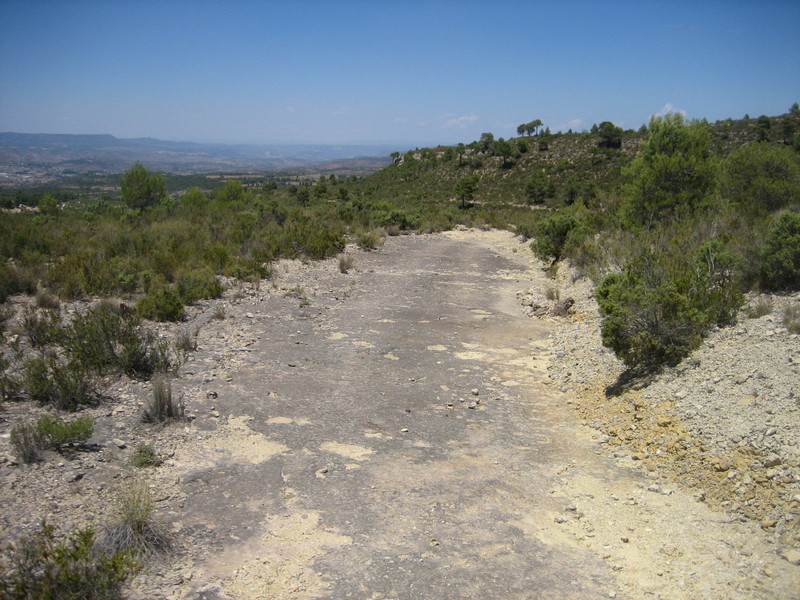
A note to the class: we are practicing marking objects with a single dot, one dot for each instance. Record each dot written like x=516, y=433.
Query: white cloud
x=574, y=124
x=670, y=108
x=460, y=122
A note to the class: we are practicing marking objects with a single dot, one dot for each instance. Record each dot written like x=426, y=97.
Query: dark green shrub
x=40, y=327
x=556, y=234
x=110, y=337
x=659, y=309
x=196, y=284
x=646, y=326
x=161, y=304
x=761, y=177
x=56, y=433
x=40, y=567
x=64, y=385
x=780, y=256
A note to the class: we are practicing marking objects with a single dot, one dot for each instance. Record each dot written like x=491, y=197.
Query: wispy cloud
x=574, y=123
x=291, y=109
x=670, y=108
x=460, y=122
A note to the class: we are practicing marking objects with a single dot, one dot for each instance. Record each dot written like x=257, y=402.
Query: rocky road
x=392, y=433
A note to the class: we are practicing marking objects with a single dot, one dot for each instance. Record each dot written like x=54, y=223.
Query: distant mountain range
x=42, y=156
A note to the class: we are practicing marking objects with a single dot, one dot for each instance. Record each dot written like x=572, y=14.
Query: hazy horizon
x=413, y=74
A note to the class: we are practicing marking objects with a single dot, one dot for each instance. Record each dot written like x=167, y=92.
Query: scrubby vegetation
x=42, y=566
x=683, y=216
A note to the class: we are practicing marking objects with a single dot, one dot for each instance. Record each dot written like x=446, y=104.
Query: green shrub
x=40, y=327
x=110, y=337
x=658, y=310
x=144, y=455
x=557, y=234
x=41, y=567
x=761, y=177
x=64, y=385
x=161, y=304
x=56, y=433
x=780, y=256
x=196, y=284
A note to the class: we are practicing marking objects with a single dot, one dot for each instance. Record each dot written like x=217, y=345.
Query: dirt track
x=390, y=433
x=393, y=433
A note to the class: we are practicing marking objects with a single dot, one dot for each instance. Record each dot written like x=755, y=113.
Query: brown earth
x=393, y=432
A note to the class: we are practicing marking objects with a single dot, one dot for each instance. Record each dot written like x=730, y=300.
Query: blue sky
x=412, y=72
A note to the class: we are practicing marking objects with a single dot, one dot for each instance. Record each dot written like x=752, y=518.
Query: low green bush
x=144, y=455
x=41, y=567
x=660, y=307
x=41, y=327
x=161, y=304
x=56, y=433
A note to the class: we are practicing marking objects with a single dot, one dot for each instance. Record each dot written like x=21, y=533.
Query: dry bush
x=162, y=407
x=27, y=442
x=345, y=262
x=45, y=299
x=762, y=306
x=791, y=318
x=134, y=529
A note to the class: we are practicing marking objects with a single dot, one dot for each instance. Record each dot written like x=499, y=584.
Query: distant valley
x=34, y=159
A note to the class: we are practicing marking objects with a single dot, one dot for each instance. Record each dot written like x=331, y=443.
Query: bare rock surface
x=405, y=431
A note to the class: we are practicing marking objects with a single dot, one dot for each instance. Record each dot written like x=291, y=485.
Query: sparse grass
x=162, y=407
x=299, y=292
x=762, y=306
x=186, y=340
x=791, y=318
x=145, y=455
x=370, y=240
x=27, y=442
x=345, y=262
x=552, y=293
x=134, y=529
x=219, y=313
x=45, y=299
x=41, y=567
